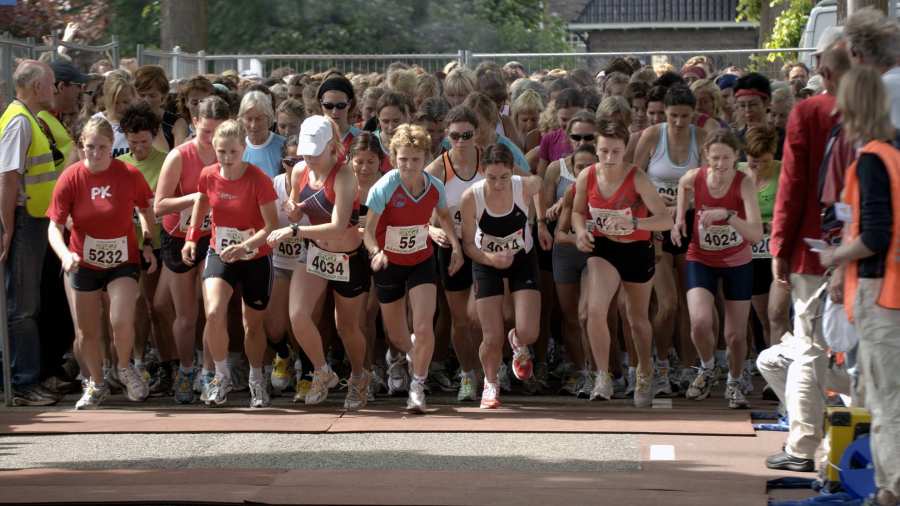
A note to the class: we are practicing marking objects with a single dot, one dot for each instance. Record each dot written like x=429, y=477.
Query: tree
x=788, y=27
x=40, y=18
x=183, y=23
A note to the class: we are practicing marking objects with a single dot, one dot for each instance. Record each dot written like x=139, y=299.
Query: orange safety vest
x=890, y=289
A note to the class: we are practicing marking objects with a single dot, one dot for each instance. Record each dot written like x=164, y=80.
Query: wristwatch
x=295, y=229
x=731, y=214
x=634, y=222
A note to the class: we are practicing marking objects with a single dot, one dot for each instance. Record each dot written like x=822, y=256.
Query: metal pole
x=54, y=44
x=201, y=62
x=139, y=54
x=176, y=51
x=115, y=52
x=4, y=337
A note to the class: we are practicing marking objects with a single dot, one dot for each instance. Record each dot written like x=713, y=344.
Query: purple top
x=555, y=145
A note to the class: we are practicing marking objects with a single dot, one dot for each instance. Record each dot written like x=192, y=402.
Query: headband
x=336, y=84
x=751, y=93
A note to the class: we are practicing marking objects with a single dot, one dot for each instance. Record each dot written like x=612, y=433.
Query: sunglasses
x=291, y=160
x=462, y=135
x=338, y=105
x=579, y=138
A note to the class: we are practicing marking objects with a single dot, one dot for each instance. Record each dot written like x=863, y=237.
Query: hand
x=544, y=237
x=70, y=32
x=456, y=261
x=668, y=200
x=188, y=252
x=678, y=231
x=826, y=257
x=5, y=242
x=70, y=262
x=501, y=260
x=584, y=242
x=150, y=258
x=836, y=285
x=294, y=213
x=278, y=235
x=710, y=216
x=232, y=253
x=380, y=261
x=552, y=213
x=781, y=272
x=438, y=235
x=618, y=222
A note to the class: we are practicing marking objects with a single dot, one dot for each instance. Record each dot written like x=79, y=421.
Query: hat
x=64, y=71
x=315, y=134
x=726, y=81
x=695, y=70
x=831, y=35
x=815, y=84
x=336, y=83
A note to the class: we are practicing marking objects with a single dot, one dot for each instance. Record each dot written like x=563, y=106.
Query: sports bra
x=318, y=204
x=509, y=231
x=663, y=172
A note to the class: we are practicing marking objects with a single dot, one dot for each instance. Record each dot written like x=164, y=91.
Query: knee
x=701, y=326
x=423, y=330
x=348, y=329
x=216, y=312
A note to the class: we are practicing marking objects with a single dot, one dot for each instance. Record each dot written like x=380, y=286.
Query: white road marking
x=662, y=452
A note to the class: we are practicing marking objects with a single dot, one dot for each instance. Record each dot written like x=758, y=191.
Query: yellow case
x=842, y=427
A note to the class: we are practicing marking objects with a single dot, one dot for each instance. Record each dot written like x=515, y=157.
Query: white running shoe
x=662, y=387
x=357, y=393
x=136, y=389
x=702, y=385
x=735, y=395
x=259, y=394
x=643, y=391
x=322, y=381
x=467, y=385
x=603, y=386
x=490, y=396
x=218, y=390
x=93, y=395
x=746, y=382
x=439, y=379
x=585, y=385
x=416, y=401
x=397, y=374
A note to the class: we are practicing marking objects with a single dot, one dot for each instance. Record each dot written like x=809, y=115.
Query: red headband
x=751, y=93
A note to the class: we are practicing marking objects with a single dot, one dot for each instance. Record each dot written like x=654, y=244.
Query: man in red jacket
x=797, y=367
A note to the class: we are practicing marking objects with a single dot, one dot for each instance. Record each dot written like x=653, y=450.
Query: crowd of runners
x=640, y=232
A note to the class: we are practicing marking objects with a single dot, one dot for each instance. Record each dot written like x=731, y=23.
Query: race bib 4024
x=720, y=237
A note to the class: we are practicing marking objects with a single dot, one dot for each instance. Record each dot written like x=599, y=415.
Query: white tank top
x=663, y=173
x=509, y=231
x=454, y=186
x=566, y=179
x=291, y=252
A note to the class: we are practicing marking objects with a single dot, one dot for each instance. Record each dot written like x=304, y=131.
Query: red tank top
x=718, y=245
x=318, y=204
x=191, y=167
x=625, y=201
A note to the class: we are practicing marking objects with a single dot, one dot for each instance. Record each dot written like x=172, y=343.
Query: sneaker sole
x=798, y=468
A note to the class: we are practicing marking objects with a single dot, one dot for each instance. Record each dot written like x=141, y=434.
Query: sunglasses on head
x=579, y=138
x=291, y=160
x=335, y=105
x=462, y=135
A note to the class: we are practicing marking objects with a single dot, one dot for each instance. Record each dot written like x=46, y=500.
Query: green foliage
x=788, y=27
x=134, y=22
x=749, y=10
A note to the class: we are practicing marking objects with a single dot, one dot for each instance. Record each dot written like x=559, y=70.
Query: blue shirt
x=266, y=156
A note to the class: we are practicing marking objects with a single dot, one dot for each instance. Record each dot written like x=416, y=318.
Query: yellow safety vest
x=60, y=135
x=40, y=172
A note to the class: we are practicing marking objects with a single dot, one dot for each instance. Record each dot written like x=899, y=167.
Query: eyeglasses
x=335, y=105
x=462, y=135
x=579, y=138
x=291, y=160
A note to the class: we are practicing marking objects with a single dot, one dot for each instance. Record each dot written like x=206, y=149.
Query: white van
x=822, y=16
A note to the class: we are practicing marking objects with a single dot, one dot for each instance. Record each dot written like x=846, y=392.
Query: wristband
x=634, y=222
x=193, y=234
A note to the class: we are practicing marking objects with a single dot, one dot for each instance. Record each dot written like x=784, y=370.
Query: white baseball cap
x=315, y=134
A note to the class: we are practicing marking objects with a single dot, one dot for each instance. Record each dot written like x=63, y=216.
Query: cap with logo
x=315, y=134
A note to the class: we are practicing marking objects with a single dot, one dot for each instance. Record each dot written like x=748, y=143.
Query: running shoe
x=541, y=375
x=684, y=378
x=701, y=385
x=357, y=393
x=416, y=401
x=490, y=396
x=439, y=379
x=31, y=396
x=662, y=387
x=321, y=382
x=563, y=370
x=93, y=395
x=377, y=379
x=240, y=371
x=144, y=373
x=503, y=377
x=397, y=373
x=281, y=373
x=259, y=394
x=746, y=382
x=198, y=380
x=467, y=385
x=136, y=388
x=184, y=392
x=218, y=390
x=205, y=382
x=572, y=384
x=643, y=391
x=301, y=387
x=620, y=384
x=531, y=386
x=585, y=385
x=603, y=386
x=522, y=364
x=631, y=380
x=735, y=395
x=721, y=374
x=111, y=379
x=162, y=383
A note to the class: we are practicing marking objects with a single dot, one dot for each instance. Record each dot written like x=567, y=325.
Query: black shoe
x=32, y=396
x=162, y=383
x=784, y=462
x=60, y=387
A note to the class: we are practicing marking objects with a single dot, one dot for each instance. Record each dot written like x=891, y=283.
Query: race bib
x=456, y=216
x=603, y=221
x=292, y=250
x=328, y=265
x=105, y=253
x=668, y=191
x=720, y=237
x=512, y=243
x=406, y=240
x=761, y=249
x=229, y=236
x=184, y=220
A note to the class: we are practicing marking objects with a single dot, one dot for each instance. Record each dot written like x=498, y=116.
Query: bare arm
x=180, y=131
x=645, y=145
x=55, y=238
x=345, y=189
x=165, y=201
x=659, y=219
x=548, y=192
x=751, y=226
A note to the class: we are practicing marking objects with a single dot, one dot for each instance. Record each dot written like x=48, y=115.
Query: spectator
x=874, y=39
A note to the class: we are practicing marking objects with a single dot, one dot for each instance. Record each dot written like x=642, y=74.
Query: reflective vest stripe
x=41, y=178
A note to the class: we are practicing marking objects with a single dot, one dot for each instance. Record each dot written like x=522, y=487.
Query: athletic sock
x=733, y=378
x=256, y=374
x=708, y=365
x=138, y=363
x=419, y=379
x=223, y=370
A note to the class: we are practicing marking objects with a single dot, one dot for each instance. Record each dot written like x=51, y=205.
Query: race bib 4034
x=328, y=265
